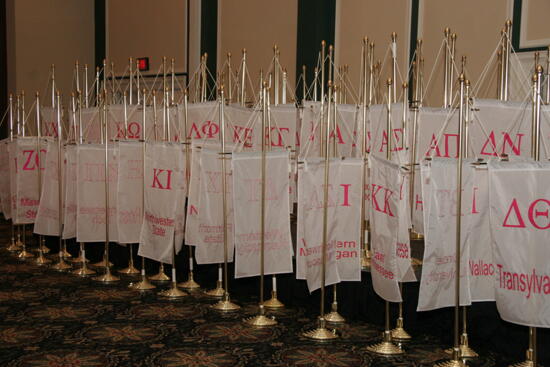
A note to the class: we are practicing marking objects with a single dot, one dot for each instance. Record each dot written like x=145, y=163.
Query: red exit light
x=143, y=63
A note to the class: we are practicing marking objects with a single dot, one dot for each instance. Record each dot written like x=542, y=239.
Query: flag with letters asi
x=247, y=184
x=311, y=203
x=210, y=244
x=130, y=191
x=519, y=210
x=384, y=223
x=47, y=218
x=27, y=165
x=70, y=199
x=439, y=185
x=5, y=179
x=91, y=199
x=164, y=181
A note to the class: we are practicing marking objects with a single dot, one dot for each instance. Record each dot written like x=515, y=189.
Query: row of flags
x=505, y=205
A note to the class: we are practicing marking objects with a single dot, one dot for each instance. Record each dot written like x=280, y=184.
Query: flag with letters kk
x=519, y=201
x=164, y=181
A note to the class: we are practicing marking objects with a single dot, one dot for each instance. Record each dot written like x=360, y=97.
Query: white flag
x=163, y=185
x=384, y=223
x=519, y=207
x=192, y=222
x=210, y=246
x=437, y=284
x=47, y=218
x=247, y=197
x=403, y=246
x=309, y=247
x=130, y=191
x=26, y=184
x=70, y=199
x=91, y=198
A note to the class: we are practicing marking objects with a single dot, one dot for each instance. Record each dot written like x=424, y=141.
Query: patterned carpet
x=51, y=319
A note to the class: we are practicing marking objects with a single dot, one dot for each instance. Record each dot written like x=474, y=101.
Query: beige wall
x=145, y=28
x=41, y=33
x=376, y=20
x=536, y=17
x=257, y=26
x=478, y=33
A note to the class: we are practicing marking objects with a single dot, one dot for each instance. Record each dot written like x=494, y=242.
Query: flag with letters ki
x=520, y=232
x=247, y=194
x=343, y=249
x=164, y=189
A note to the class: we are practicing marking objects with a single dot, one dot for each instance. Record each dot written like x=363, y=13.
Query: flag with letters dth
x=164, y=176
x=519, y=203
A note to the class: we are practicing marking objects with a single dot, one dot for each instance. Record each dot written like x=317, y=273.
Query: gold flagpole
x=107, y=277
x=531, y=353
x=321, y=333
x=261, y=320
x=506, y=59
x=366, y=93
x=13, y=245
x=456, y=360
x=41, y=259
x=143, y=284
x=387, y=347
x=61, y=265
x=225, y=304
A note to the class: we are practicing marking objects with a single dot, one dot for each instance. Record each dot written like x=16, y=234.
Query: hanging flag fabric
x=210, y=246
x=384, y=224
x=377, y=135
x=192, y=220
x=310, y=130
x=347, y=136
x=480, y=266
x=243, y=127
x=47, y=218
x=202, y=121
x=129, y=191
x=5, y=198
x=91, y=215
x=247, y=184
x=284, y=123
x=405, y=271
x=163, y=187
x=519, y=206
x=437, y=283
x=125, y=128
x=70, y=197
x=309, y=247
x=27, y=168
x=48, y=117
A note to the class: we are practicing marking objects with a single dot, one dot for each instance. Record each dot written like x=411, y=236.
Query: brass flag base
x=465, y=350
x=451, y=363
x=217, y=292
x=273, y=302
x=399, y=332
x=41, y=259
x=14, y=246
x=321, y=333
x=142, y=285
x=102, y=264
x=160, y=276
x=416, y=236
x=79, y=259
x=66, y=254
x=386, y=347
x=261, y=320
x=61, y=265
x=173, y=292
x=83, y=271
x=526, y=363
x=190, y=283
x=415, y=261
x=45, y=249
x=225, y=305
x=24, y=254
x=130, y=270
x=108, y=277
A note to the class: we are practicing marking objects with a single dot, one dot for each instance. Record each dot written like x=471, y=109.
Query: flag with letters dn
x=384, y=223
x=164, y=178
x=247, y=173
x=437, y=283
x=519, y=202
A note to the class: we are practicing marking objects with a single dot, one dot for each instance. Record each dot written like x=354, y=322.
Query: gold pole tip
x=390, y=81
x=265, y=83
x=405, y=85
x=372, y=44
x=76, y=63
x=446, y=31
x=23, y=93
x=419, y=42
x=244, y=50
x=154, y=93
x=461, y=77
x=539, y=69
x=453, y=36
x=534, y=78
x=97, y=68
x=393, y=36
x=467, y=82
x=509, y=22
x=37, y=94
x=329, y=83
x=303, y=67
x=229, y=54
x=330, y=48
x=323, y=43
x=366, y=40
x=221, y=88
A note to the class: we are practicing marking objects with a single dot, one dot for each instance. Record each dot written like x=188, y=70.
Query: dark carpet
x=59, y=320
